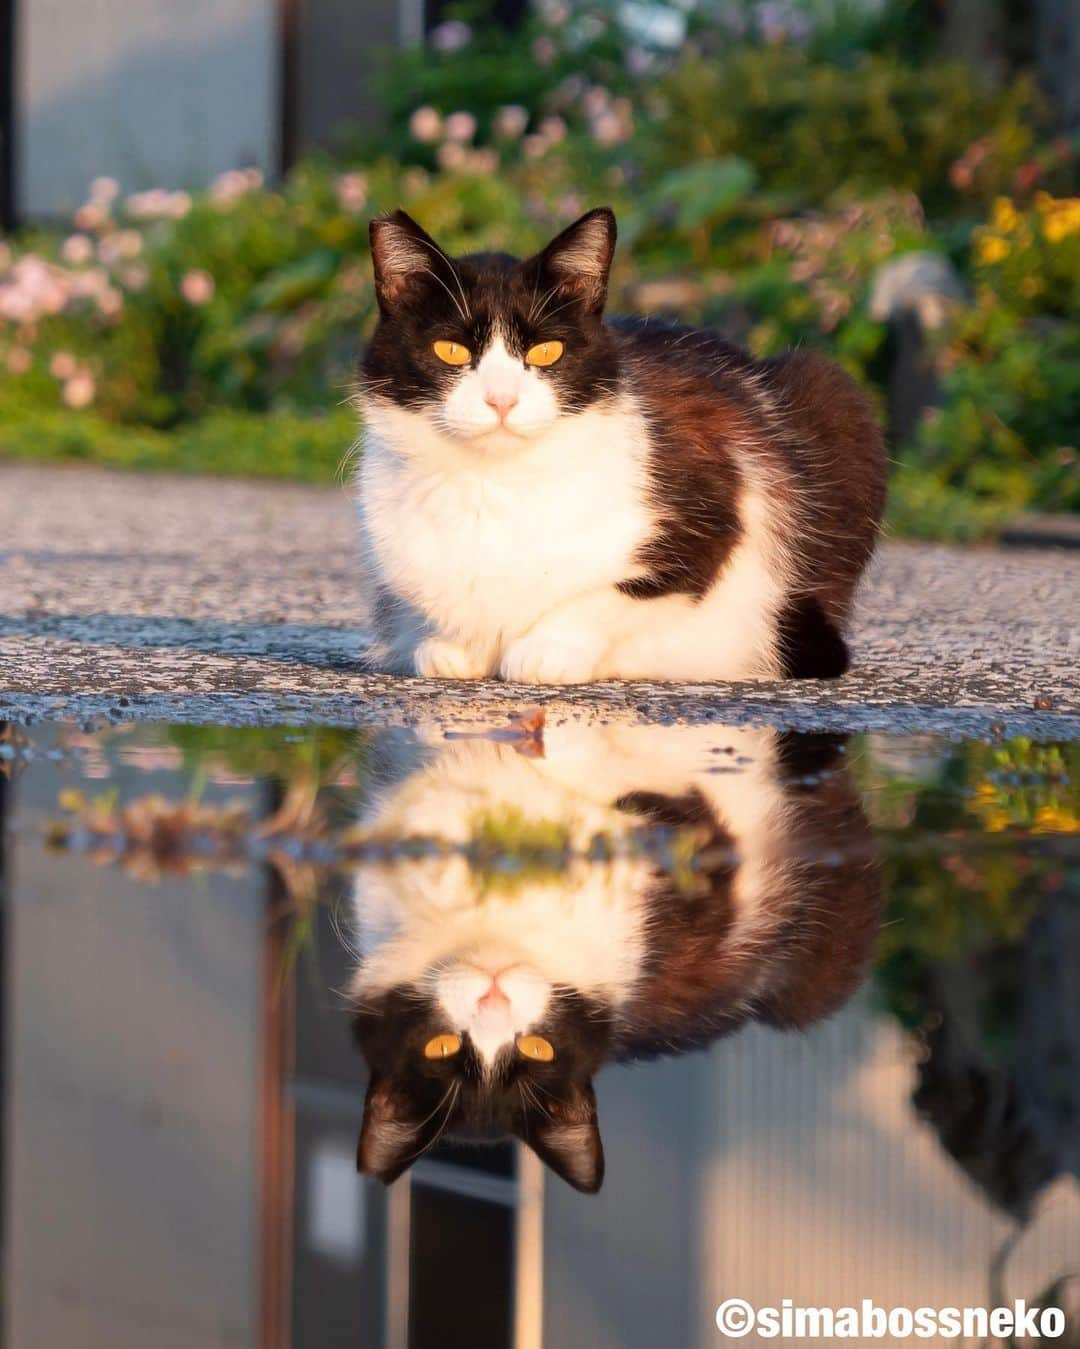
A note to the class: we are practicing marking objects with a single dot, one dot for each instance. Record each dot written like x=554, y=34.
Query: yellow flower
x=1004, y=215
x=1060, y=223
x=992, y=249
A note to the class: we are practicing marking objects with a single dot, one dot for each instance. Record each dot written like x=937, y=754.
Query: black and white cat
x=553, y=497
x=486, y=1000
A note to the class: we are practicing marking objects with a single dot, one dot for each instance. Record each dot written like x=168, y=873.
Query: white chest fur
x=485, y=544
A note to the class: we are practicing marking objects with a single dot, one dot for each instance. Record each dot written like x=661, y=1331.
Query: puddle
x=802, y=1012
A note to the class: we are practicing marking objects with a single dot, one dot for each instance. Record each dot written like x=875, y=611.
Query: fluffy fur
x=654, y=504
x=609, y=955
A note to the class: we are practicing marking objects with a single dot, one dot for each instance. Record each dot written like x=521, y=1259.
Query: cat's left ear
x=568, y=1140
x=579, y=259
x=393, y=1134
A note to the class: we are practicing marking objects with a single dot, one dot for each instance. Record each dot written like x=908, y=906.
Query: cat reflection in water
x=486, y=1000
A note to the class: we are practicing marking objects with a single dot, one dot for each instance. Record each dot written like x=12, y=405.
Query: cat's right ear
x=392, y=1135
x=401, y=253
x=578, y=260
x=567, y=1139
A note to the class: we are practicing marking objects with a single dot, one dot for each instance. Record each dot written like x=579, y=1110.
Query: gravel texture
x=190, y=599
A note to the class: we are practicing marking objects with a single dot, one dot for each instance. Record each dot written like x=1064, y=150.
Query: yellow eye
x=453, y=353
x=536, y=1047
x=544, y=353
x=442, y=1046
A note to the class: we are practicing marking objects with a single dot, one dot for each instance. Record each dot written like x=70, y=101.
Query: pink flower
x=351, y=189
x=104, y=191
x=450, y=36
x=110, y=303
x=451, y=157
x=79, y=390
x=158, y=204
x=19, y=361
x=425, y=125
x=63, y=365
x=553, y=130
x=533, y=147
x=483, y=161
x=544, y=50
x=460, y=127
x=135, y=277
x=90, y=216
x=510, y=121
x=77, y=249
x=227, y=187
x=197, y=287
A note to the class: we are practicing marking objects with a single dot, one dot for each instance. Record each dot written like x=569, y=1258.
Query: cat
x=552, y=497
x=486, y=1000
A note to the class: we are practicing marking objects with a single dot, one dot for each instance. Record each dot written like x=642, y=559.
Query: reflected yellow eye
x=453, y=353
x=544, y=353
x=536, y=1047
x=442, y=1046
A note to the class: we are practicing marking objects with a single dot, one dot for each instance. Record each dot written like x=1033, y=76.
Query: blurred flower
x=1004, y=216
x=19, y=361
x=569, y=206
x=32, y=289
x=553, y=130
x=110, y=303
x=90, y=216
x=351, y=189
x=639, y=61
x=451, y=157
x=414, y=181
x=120, y=247
x=1061, y=219
x=992, y=249
x=1028, y=176
x=460, y=127
x=533, y=147
x=450, y=36
x=135, y=277
x=595, y=100
x=158, y=204
x=63, y=365
x=510, y=121
x=229, y=186
x=608, y=129
x=544, y=50
x=484, y=160
x=79, y=390
x=197, y=287
x=555, y=12
x=77, y=249
x=104, y=190
x=425, y=125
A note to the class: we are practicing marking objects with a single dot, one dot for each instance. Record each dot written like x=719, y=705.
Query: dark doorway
x=7, y=114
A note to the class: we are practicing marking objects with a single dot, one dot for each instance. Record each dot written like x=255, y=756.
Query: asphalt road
x=206, y=600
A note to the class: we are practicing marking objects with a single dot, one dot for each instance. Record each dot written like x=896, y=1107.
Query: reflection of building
x=182, y=1103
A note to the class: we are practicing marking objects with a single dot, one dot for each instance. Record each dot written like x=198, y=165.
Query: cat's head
x=488, y=350
x=472, y=1052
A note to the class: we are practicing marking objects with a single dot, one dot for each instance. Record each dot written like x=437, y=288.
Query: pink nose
x=503, y=403
x=493, y=999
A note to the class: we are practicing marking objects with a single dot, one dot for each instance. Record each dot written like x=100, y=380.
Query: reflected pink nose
x=494, y=998
x=501, y=401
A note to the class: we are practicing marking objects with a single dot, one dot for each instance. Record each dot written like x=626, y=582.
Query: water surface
x=816, y=1004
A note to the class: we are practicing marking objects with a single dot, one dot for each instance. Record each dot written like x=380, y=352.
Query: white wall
x=152, y=92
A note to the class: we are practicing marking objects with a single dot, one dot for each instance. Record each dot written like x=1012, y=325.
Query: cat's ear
x=568, y=1141
x=579, y=259
x=393, y=1134
x=402, y=253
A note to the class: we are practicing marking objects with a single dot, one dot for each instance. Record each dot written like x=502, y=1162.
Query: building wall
x=152, y=92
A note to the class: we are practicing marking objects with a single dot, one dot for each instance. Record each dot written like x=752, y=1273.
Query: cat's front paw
x=439, y=658
x=538, y=659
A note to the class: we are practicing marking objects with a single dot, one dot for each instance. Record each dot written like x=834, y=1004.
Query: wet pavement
x=233, y=602
x=618, y=1021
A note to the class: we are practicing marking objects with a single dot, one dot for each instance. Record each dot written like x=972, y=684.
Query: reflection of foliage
x=954, y=892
